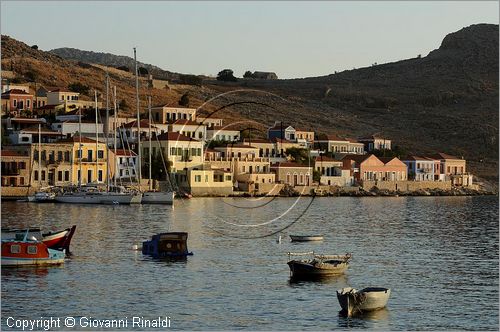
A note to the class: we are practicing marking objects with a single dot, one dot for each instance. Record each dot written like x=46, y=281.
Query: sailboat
x=150, y=196
x=90, y=193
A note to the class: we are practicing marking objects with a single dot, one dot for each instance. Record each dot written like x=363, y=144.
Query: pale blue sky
x=293, y=39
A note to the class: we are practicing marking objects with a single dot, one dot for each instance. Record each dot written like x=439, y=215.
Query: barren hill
x=446, y=101
x=108, y=59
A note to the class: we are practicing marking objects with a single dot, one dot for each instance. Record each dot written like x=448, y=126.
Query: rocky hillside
x=446, y=101
x=108, y=59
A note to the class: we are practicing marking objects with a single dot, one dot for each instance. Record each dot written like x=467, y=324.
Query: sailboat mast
x=149, y=120
x=108, y=172
x=39, y=155
x=114, y=135
x=139, y=154
x=96, y=138
x=80, y=149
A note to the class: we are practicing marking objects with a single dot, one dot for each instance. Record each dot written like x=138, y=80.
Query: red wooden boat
x=59, y=240
x=27, y=250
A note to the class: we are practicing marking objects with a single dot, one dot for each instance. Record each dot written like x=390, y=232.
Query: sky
x=292, y=39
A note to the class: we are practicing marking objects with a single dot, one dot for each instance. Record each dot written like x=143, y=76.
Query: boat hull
x=28, y=253
x=306, y=238
x=368, y=299
x=308, y=269
x=158, y=197
x=99, y=198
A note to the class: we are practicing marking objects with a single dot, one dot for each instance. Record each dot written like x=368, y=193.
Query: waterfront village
x=50, y=137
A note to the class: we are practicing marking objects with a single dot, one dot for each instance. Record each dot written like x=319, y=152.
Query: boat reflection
x=28, y=271
x=360, y=320
x=340, y=279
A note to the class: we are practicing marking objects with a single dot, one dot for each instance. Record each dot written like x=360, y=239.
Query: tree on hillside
x=299, y=155
x=184, y=101
x=248, y=74
x=35, y=47
x=79, y=87
x=226, y=75
x=142, y=71
x=124, y=68
x=190, y=80
x=123, y=105
x=30, y=76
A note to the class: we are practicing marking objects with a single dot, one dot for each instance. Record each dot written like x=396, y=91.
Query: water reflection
x=378, y=319
x=233, y=283
x=341, y=280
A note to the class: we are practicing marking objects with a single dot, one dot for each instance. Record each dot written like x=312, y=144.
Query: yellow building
x=93, y=162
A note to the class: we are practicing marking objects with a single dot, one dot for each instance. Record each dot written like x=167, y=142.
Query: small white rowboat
x=353, y=301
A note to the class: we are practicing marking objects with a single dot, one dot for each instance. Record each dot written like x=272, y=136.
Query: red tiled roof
x=257, y=140
x=76, y=139
x=237, y=146
x=220, y=128
x=289, y=165
x=174, y=136
x=333, y=137
x=416, y=158
x=15, y=92
x=10, y=153
x=359, y=158
x=186, y=122
x=372, y=137
x=144, y=124
x=441, y=155
x=122, y=152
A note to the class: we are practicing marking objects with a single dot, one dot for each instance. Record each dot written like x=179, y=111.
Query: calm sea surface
x=439, y=255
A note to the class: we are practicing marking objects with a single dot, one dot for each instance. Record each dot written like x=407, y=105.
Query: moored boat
x=92, y=195
x=158, y=197
x=306, y=238
x=59, y=240
x=368, y=299
x=27, y=250
x=318, y=265
x=172, y=244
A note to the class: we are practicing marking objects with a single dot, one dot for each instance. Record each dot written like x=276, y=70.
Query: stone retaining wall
x=406, y=185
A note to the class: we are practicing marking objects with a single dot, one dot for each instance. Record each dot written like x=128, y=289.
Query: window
x=100, y=175
x=199, y=152
x=59, y=176
x=89, y=175
x=31, y=250
x=79, y=177
x=25, y=139
x=100, y=154
x=200, y=134
x=66, y=156
x=197, y=178
x=44, y=155
x=228, y=177
x=15, y=249
x=59, y=155
x=22, y=165
x=89, y=155
x=21, y=181
x=27, y=103
x=36, y=176
x=206, y=178
x=43, y=175
x=66, y=175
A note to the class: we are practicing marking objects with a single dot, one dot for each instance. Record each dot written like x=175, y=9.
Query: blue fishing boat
x=172, y=244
